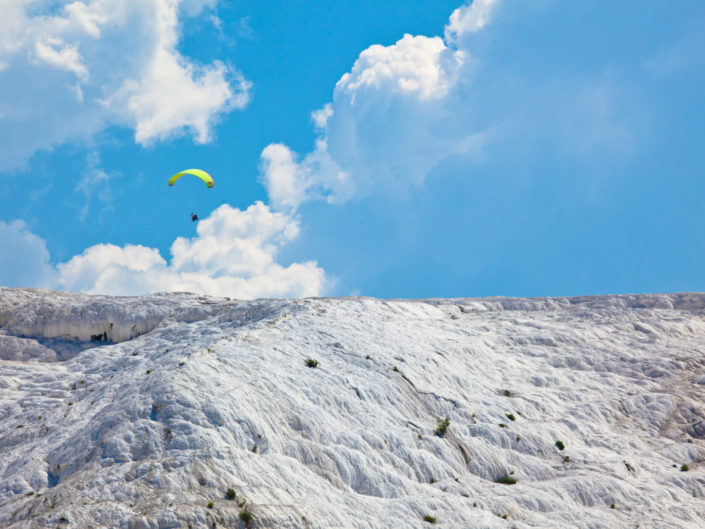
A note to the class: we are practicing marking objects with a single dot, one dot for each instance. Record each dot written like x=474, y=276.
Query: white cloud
x=404, y=109
x=63, y=56
x=110, y=269
x=420, y=67
x=24, y=259
x=234, y=254
x=171, y=97
x=469, y=18
x=89, y=20
x=286, y=180
x=391, y=121
x=290, y=182
x=320, y=116
x=76, y=69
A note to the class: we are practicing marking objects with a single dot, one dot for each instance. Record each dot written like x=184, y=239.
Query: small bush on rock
x=442, y=426
x=246, y=516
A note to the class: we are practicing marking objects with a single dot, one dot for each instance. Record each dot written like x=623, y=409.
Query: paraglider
x=207, y=179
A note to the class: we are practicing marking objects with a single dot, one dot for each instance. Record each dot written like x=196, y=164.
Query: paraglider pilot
x=194, y=217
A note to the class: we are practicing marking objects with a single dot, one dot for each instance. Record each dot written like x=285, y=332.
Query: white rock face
x=141, y=412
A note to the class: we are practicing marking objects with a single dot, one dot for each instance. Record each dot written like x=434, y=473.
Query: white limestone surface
x=178, y=398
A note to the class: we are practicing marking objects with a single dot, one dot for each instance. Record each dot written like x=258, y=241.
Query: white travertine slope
x=179, y=397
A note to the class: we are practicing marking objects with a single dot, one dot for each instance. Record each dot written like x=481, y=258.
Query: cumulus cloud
x=404, y=109
x=233, y=254
x=392, y=119
x=419, y=67
x=72, y=70
x=24, y=259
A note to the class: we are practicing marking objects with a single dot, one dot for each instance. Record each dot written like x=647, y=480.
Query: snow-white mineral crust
x=141, y=412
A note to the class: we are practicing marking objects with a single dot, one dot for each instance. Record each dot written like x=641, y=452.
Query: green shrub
x=430, y=519
x=210, y=504
x=510, y=416
x=310, y=362
x=246, y=516
x=502, y=425
x=560, y=445
x=506, y=480
x=230, y=494
x=684, y=468
x=20, y=425
x=442, y=426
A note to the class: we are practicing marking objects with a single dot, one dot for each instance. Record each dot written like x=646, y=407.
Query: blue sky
x=389, y=149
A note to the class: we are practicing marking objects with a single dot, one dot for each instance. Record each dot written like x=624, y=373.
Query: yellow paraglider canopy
x=208, y=179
